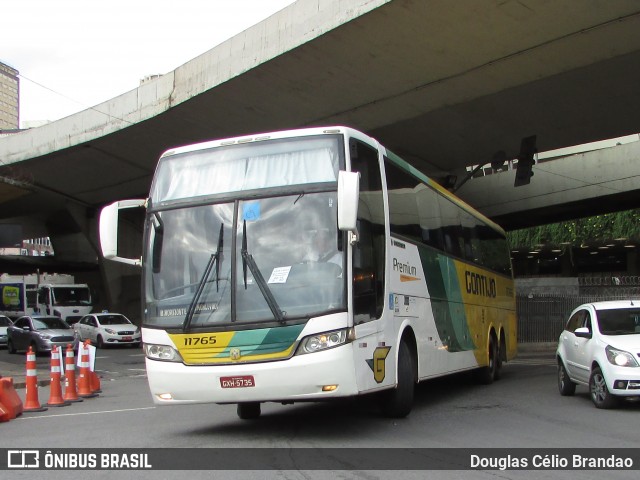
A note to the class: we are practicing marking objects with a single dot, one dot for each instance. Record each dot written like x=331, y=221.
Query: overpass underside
x=564, y=188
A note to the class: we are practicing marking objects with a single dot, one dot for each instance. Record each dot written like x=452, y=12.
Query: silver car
x=5, y=323
x=41, y=333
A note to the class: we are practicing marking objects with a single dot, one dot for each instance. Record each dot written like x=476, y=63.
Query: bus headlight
x=323, y=341
x=164, y=353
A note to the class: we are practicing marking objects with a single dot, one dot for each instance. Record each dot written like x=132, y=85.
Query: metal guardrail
x=541, y=318
x=613, y=280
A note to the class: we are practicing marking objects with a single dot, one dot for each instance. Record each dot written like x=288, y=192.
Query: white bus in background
x=44, y=294
x=312, y=264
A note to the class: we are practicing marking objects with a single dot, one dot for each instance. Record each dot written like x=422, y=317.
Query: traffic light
x=525, y=161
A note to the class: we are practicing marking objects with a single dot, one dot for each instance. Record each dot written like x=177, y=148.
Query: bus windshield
x=282, y=262
x=256, y=239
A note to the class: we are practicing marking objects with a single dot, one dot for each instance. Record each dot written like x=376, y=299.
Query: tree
x=599, y=228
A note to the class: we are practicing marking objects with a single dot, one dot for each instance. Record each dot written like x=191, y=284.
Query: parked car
x=5, y=323
x=41, y=333
x=600, y=348
x=107, y=329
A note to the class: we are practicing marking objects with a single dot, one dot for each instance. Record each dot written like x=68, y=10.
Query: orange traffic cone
x=31, y=403
x=84, y=379
x=94, y=380
x=70, y=387
x=94, y=384
x=55, y=386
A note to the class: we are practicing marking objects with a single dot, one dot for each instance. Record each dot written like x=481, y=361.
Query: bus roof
x=328, y=130
x=258, y=137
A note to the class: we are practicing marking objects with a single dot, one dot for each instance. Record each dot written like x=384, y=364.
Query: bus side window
x=451, y=228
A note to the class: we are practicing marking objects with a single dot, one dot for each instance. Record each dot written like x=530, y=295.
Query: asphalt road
x=521, y=411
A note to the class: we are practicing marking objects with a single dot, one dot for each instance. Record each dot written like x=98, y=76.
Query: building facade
x=9, y=98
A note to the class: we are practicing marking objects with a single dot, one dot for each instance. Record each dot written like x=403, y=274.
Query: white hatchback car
x=107, y=329
x=600, y=348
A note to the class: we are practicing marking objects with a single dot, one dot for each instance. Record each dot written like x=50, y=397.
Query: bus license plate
x=243, y=381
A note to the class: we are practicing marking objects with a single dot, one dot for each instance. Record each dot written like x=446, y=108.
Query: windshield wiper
x=247, y=259
x=214, y=258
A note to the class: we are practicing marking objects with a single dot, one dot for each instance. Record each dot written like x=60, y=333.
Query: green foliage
x=609, y=226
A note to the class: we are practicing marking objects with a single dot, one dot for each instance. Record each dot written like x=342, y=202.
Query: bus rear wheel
x=486, y=375
x=249, y=410
x=397, y=403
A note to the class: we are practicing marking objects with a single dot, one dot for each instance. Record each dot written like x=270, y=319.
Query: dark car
x=5, y=323
x=41, y=333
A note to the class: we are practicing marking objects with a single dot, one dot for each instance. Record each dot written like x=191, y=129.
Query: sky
x=74, y=54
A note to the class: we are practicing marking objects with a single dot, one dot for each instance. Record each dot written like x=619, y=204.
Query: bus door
x=371, y=354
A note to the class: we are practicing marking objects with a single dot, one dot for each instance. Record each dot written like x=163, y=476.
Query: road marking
x=85, y=413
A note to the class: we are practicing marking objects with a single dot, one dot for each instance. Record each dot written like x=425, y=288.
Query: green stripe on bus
x=264, y=341
x=446, y=300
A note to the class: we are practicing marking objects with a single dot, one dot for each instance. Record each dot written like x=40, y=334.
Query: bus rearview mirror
x=109, y=230
x=348, y=192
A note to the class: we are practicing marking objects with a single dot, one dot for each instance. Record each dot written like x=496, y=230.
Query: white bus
x=312, y=264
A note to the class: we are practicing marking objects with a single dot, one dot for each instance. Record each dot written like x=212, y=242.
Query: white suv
x=600, y=347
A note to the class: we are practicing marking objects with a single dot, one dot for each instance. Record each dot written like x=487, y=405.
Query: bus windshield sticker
x=251, y=211
x=279, y=275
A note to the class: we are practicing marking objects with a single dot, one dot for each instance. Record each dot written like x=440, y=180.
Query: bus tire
x=486, y=375
x=397, y=402
x=501, y=355
x=249, y=410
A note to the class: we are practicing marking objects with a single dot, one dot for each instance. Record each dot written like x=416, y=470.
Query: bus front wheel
x=249, y=410
x=397, y=403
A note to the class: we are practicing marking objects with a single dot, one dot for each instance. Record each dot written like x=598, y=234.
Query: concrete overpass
x=445, y=84
x=571, y=185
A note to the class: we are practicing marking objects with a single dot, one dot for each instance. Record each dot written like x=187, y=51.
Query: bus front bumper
x=315, y=376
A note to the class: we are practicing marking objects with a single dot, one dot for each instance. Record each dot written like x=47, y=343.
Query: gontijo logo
x=478, y=284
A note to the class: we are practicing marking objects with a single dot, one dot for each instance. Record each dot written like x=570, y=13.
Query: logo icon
x=235, y=354
x=23, y=459
x=377, y=363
